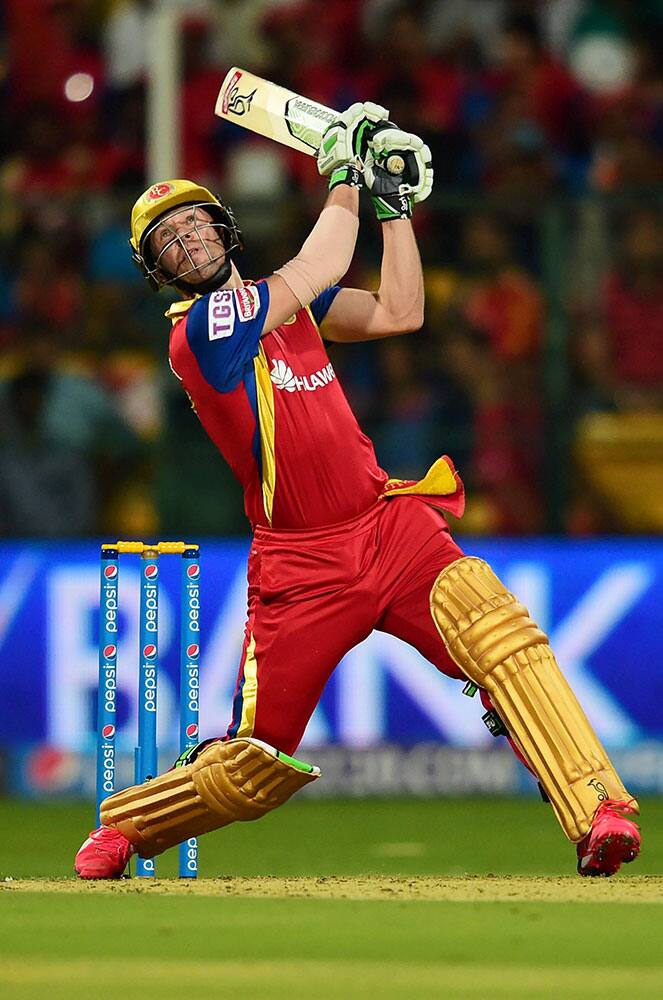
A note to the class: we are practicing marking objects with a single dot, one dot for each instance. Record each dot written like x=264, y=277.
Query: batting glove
x=397, y=172
x=346, y=139
x=347, y=174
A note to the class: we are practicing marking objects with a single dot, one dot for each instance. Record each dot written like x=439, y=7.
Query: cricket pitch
x=466, y=889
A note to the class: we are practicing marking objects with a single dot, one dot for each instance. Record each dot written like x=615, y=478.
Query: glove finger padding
x=346, y=139
x=356, y=113
x=388, y=141
x=360, y=121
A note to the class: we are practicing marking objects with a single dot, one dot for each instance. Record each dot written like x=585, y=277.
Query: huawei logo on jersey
x=283, y=378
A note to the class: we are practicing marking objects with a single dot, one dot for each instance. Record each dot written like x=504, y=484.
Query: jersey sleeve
x=322, y=304
x=223, y=330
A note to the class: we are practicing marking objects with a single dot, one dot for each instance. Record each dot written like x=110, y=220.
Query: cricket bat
x=279, y=114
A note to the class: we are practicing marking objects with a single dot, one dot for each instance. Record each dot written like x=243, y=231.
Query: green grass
x=162, y=947
x=147, y=945
x=350, y=837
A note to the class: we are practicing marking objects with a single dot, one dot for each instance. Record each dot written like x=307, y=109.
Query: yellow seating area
x=620, y=458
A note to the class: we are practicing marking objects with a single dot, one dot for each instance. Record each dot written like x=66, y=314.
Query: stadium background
x=539, y=369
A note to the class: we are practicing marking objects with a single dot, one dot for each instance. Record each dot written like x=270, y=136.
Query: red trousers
x=314, y=594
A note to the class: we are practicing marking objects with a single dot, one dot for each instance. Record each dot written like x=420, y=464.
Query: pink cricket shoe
x=104, y=854
x=612, y=841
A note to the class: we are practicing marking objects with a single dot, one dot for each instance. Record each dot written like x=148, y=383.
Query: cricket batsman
x=339, y=548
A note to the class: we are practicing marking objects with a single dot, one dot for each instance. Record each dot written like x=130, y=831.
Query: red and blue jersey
x=274, y=408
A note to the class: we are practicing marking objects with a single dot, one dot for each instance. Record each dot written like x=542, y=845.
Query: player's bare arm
x=327, y=253
x=398, y=305
x=322, y=261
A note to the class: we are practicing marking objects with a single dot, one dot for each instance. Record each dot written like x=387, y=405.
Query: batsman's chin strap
x=211, y=285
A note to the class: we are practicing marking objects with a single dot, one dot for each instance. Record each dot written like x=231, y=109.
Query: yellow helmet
x=164, y=197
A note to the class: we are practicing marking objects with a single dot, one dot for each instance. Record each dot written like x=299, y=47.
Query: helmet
x=162, y=198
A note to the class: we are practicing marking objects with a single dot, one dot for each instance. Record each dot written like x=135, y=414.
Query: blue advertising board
x=598, y=600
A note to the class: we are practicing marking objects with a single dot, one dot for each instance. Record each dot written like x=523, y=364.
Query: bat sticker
x=239, y=104
x=232, y=86
x=234, y=102
x=298, y=113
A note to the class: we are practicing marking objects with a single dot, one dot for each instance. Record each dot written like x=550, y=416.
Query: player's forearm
x=327, y=253
x=401, y=292
x=344, y=196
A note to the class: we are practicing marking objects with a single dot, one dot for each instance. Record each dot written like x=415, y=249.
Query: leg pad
x=237, y=780
x=491, y=637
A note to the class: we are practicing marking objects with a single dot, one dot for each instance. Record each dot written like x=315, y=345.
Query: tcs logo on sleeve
x=229, y=305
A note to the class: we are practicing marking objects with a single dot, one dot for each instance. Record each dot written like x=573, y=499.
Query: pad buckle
x=493, y=723
x=189, y=755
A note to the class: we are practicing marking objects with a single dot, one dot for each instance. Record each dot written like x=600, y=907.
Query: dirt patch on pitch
x=479, y=888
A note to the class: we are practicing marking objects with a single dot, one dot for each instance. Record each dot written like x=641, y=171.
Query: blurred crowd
x=540, y=367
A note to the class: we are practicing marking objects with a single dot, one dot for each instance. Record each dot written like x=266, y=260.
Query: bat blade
x=273, y=111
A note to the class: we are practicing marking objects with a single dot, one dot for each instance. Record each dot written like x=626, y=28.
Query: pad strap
x=491, y=637
x=238, y=779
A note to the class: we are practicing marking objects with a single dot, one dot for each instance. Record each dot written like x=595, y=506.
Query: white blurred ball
x=602, y=63
x=78, y=87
